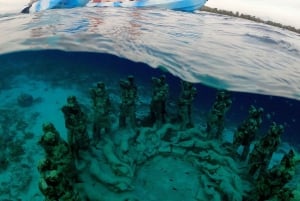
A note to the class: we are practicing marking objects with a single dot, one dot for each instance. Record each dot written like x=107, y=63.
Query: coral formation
x=16, y=175
x=15, y=150
x=3, y=161
x=25, y=100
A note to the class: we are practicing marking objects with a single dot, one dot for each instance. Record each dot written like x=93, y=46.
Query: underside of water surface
x=218, y=51
x=185, y=151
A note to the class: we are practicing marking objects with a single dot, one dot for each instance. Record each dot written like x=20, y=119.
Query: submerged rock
x=3, y=162
x=25, y=100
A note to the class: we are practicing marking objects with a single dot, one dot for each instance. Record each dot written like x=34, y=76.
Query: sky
x=286, y=12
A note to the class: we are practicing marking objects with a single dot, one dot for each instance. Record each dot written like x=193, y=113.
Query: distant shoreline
x=249, y=17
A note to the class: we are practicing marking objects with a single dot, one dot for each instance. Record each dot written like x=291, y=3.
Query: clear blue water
x=259, y=64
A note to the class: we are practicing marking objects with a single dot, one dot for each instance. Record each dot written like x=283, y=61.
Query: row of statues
x=58, y=170
x=270, y=182
x=76, y=120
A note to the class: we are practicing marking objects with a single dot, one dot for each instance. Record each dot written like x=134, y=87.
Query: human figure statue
x=56, y=187
x=57, y=169
x=56, y=149
x=188, y=93
x=215, y=121
x=160, y=92
x=76, y=124
x=246, y=132
x=271, y=185
x=128, y=102
x=262, y=152
x=102, y=108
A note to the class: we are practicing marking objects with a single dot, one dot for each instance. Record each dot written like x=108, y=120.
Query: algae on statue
x=246, y=132
x=76, y=124
x=57, y=169
x=127, y=117
x=187, y=96
x=102, y=109
x=160, y=93
x=216, y=117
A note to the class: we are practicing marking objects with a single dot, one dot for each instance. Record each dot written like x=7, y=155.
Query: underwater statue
x=246, y=132
x=57, y=169
x=260, y=157
x=76, y=124
x=272, y=184
x=215, y=121
x=55, y=187
x=160, y=92
x=188, y=93
x=128, y=102
x=102, y=109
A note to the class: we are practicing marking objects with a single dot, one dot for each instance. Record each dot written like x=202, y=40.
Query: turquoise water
x=54, y=54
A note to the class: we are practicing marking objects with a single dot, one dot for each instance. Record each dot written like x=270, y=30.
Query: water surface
x=219, y=51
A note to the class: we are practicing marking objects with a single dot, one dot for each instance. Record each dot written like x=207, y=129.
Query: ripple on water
x=224, y=52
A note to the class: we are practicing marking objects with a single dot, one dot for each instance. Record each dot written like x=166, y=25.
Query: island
x=249, y=17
